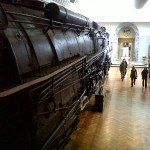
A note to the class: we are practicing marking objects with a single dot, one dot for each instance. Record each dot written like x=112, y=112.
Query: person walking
x=144, y=74
x=133, y=75
x=123, y=68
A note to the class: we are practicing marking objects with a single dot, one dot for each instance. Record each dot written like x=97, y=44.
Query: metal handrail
x=62, y=123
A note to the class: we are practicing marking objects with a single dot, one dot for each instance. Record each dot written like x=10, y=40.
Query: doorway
x=133, y=41
x=126, y=48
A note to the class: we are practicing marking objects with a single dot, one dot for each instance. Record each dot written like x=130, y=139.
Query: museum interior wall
x=142, y=43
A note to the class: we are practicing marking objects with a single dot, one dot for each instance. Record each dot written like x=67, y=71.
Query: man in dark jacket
x=144, y=74
x=123, y=68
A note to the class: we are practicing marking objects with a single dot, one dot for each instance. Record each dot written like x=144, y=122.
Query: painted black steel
x=48, y=57
x=3, y=19
x=60, y=13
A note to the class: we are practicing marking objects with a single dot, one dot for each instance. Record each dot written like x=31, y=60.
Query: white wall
x=144, y=42
x=144, y=39
x=144, y=35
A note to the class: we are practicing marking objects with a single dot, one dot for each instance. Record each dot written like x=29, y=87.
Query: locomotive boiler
x=50, y=62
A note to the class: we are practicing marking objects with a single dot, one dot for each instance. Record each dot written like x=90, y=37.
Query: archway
x=115, y=44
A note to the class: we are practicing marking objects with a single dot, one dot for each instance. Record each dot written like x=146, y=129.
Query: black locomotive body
x=50, y=61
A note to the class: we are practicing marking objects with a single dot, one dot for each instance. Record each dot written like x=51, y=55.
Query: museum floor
x=125, y=122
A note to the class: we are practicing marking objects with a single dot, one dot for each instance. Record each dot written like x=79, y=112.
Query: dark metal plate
x=3, y=19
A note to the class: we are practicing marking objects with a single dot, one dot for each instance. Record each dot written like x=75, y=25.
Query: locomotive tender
x=50, y=60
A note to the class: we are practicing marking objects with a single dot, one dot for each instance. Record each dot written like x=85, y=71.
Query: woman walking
x=133, y=75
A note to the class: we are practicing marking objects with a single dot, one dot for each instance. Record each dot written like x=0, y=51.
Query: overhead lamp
x=139, y=3
x=73, y=1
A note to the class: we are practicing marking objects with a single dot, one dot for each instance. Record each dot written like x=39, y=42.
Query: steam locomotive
x=50, y=62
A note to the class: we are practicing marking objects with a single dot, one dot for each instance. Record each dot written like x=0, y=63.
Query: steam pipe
x=60, y=13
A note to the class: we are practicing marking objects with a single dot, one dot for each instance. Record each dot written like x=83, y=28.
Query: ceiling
x=110, y=10
x=115, y=10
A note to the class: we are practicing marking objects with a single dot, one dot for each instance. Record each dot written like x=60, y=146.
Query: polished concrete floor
x=125, y=122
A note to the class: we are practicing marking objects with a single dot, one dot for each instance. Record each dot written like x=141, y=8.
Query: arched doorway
x=126, y=43
x=136, y=41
